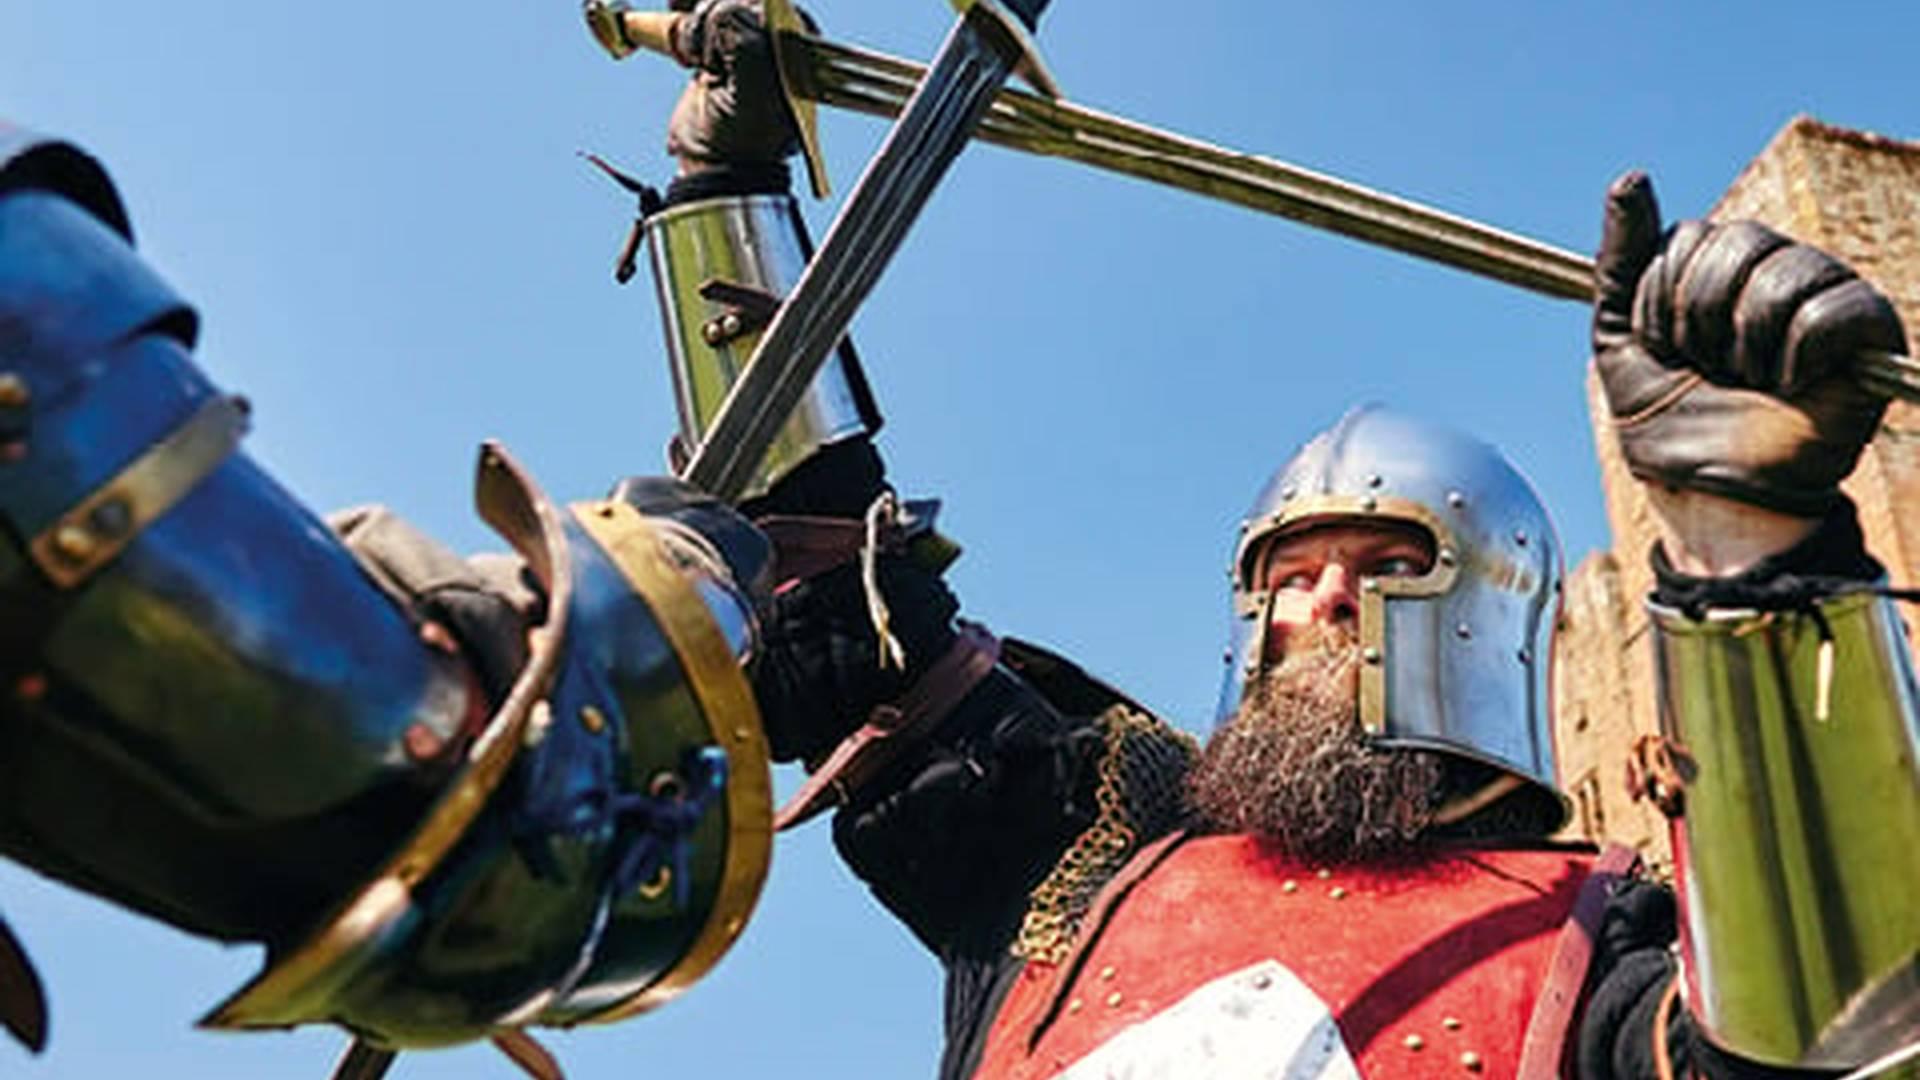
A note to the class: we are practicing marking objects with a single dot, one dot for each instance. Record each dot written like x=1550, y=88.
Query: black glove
x=733, y=113
x=1725, y=351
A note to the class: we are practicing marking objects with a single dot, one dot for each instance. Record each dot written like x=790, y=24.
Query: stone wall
x=1858, y=196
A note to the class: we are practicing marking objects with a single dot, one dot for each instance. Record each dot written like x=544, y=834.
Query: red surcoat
x=1222, y=960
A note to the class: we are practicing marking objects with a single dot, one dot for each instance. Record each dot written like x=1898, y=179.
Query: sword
x=861, y=80
x=988, y=41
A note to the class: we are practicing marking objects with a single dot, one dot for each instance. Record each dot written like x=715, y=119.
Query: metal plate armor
x=1797, y=834
x=1456, y=658
x=212, y=713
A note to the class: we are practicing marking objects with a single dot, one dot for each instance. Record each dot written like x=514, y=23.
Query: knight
x=1356, y=875
x=453, y=799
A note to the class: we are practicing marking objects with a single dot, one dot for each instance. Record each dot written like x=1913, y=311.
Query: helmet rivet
x=1456, y=500
x=1370, y=654
x=1227, y=656
x=1463, y=631
x=1262, y=981
x=1244, y=526
x=1447, y=557
x=1526, y=656
x=1520, y=537
x=1375, y=480
x=1369, y=503
x=73, y=542
x=13, y=391
x=1287, y=493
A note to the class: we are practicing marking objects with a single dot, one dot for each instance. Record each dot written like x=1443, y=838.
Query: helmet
x=1455, y=659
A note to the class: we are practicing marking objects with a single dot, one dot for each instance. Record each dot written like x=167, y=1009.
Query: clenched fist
x=1725, y=353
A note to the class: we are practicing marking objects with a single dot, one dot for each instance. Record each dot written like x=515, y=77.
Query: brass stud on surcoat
x=1414, y=1042
x=592, y=719
x=1337, y=892
x=1114, y=999
x=73, y=543
x=14, y=393
x=1470, y=1061
x=1289, y=886
x=1107, y=973
x=1451, y=1023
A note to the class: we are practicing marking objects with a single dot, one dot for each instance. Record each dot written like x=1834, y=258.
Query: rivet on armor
x=1245, y=526
x=1451, y=1023
x=1226, y=656
x=593, y=719
x=1526, y=656
x=1447, y=557
x=1470, y=1061
x=1114, y=999
x=1370, y=654
x=1414, y=1042
x=436, y=636
x=1107, y=973
x=1520, y=537
x=1262, y=981
x=1337, y=892
x=1323, y=874
x=537, y=723
x=607, y=510
x=421, y=742
x=1375, y=480
x=13, y=391
x=1289, y=886
x=1288, y=493
x=1456, y=500
x=741, y=734
x=1463, y=631
x=73, y=543
x=710, y=330
x=1369, y=503
x=30, y=687
x=111, y=518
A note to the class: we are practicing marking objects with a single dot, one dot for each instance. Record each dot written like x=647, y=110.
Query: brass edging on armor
x=97, y=528
x=732, y=715
x=510, y=502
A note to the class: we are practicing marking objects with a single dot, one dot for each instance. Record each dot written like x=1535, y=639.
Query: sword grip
x=623, y=31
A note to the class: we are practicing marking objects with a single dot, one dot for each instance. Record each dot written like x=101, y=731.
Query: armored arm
x=1788, y=726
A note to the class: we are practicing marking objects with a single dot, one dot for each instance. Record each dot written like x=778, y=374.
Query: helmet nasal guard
x=1454, y=659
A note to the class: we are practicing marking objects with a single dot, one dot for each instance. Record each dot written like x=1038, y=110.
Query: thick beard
x=1294, y=769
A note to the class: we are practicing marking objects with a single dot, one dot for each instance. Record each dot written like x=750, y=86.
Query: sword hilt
x=623, y=31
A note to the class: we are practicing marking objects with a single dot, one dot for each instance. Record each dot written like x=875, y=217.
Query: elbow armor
x=210, y=711
x=1794, y=795
x=721, y=267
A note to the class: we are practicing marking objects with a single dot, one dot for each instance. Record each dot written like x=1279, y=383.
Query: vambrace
x=1787, y=763
x=721, y=267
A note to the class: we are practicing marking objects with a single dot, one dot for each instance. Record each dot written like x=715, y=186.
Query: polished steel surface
x=1798, y=842
x=866, y=81
x=933, y=127
x=1458, y=658
x=757, y=242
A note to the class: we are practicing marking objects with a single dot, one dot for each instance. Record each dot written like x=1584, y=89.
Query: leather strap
x=806, y=547
x=893, y=728
x=1546, y=1038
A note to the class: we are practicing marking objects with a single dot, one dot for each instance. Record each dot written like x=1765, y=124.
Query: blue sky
x=396, y=254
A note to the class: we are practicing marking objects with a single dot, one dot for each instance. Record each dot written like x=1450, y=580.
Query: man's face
x=1292, y=766
x=1315, y=574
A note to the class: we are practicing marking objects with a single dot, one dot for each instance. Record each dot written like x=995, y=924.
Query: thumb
x=1629, y=239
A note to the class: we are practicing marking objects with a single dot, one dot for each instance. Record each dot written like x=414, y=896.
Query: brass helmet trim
x=733, y=717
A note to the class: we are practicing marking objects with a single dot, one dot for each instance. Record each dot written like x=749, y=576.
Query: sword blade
x=935, y=124
x=861, y=80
